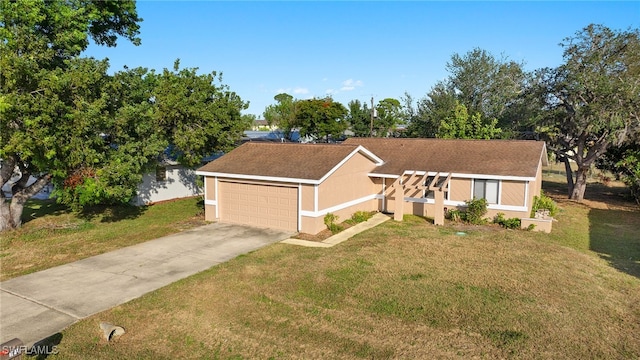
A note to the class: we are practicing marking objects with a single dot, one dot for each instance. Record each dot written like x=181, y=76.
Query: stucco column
x=398, y=188
x=438, y=216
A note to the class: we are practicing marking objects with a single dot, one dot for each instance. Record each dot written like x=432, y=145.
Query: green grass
x=53, y=235
x=401, y=290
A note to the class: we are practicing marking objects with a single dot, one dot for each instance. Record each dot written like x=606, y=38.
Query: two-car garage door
x=259, y=205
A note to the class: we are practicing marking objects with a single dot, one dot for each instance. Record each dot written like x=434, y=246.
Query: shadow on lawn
x=615, y=236
x=614, y=222
x=112, y=213
x=34, y=209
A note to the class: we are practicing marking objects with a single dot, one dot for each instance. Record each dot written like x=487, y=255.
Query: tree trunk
x=11, y=209
x=569, y=173
x=5, y=215
x=11, y=213
x=580, y=186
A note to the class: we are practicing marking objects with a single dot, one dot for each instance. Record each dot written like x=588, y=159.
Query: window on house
x=429, y=194
x=486, y=189
x=161, y=173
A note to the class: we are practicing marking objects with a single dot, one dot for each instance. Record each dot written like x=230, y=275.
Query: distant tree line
x=65, y=120
x=587, y=109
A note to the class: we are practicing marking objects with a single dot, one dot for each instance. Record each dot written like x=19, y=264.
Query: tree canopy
x=282, y=114
x=458, y=124
x=47, y=90
x=321, y=118
x=65, y=120
x=359, y=118
x=486, y=86
x=591, y=101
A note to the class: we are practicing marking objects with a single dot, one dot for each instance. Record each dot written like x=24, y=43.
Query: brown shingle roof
x=486, y=157
x=284, y=160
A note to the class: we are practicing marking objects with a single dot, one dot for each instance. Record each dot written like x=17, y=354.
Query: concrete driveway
x=38, y=305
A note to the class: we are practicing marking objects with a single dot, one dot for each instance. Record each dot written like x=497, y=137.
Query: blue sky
x=351, y=50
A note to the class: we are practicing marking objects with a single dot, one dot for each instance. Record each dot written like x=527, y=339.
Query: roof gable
x=285, y=161
x=519, y=158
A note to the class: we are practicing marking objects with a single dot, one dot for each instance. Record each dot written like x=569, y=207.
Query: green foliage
x=511, y=223
x=361, y=216
x=336, y=228
x=476, y=210
x=455, y=215
x=543, y=202
x=248, y=120
x=624, y=162
x=359, y=118
x=53, y=107
x=591, y=101
x=389, y=116
x=197, y=116
x=330, y=220
x=64, y=119
x=459, y=125
x=282, y=114
x=321, y=118
x=488, y=87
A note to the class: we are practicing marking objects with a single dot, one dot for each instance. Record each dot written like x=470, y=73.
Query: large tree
x=64, y=120
x=459, y=124
x=624, y=162
x=426, y=116
x=592, y=101
x=389, y=116
x=283, y=114
x=46, y=90
x=484, y=84
x=321, y=119
x=359, y=118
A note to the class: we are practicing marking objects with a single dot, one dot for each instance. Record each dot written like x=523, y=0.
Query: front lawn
x=401, y=290
x=53, y=235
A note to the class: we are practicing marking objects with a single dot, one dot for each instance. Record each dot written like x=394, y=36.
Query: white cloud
x=296, y=91
x=350, y=84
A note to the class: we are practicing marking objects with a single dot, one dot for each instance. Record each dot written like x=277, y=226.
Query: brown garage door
x=259, y=205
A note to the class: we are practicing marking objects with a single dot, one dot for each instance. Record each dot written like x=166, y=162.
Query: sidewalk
x=375, y=220
x=38, y=305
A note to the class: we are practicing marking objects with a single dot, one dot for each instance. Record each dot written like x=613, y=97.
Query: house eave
x=455, y=175
x=259, y=178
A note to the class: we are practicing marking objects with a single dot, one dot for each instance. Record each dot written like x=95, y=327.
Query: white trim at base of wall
x=490, y=206
x=324, y=212
x=462, y=203
x=210, y=202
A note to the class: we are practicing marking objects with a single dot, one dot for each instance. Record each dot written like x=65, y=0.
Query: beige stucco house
x=293, y=186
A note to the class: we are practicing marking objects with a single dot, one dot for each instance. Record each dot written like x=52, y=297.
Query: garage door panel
x=259, y=205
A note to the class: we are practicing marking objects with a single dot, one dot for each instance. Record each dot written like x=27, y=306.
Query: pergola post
x=438, y=215
x=438, y=192
x=398, y=187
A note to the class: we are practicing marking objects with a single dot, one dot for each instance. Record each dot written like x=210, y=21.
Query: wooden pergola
x=439, y=185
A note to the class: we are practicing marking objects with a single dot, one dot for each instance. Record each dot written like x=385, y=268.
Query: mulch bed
x=322, y=235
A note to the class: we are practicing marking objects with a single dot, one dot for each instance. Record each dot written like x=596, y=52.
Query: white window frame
x=484, y=190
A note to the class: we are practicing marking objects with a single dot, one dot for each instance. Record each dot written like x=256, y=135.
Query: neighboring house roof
x=519, y=158
x=284, y=160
